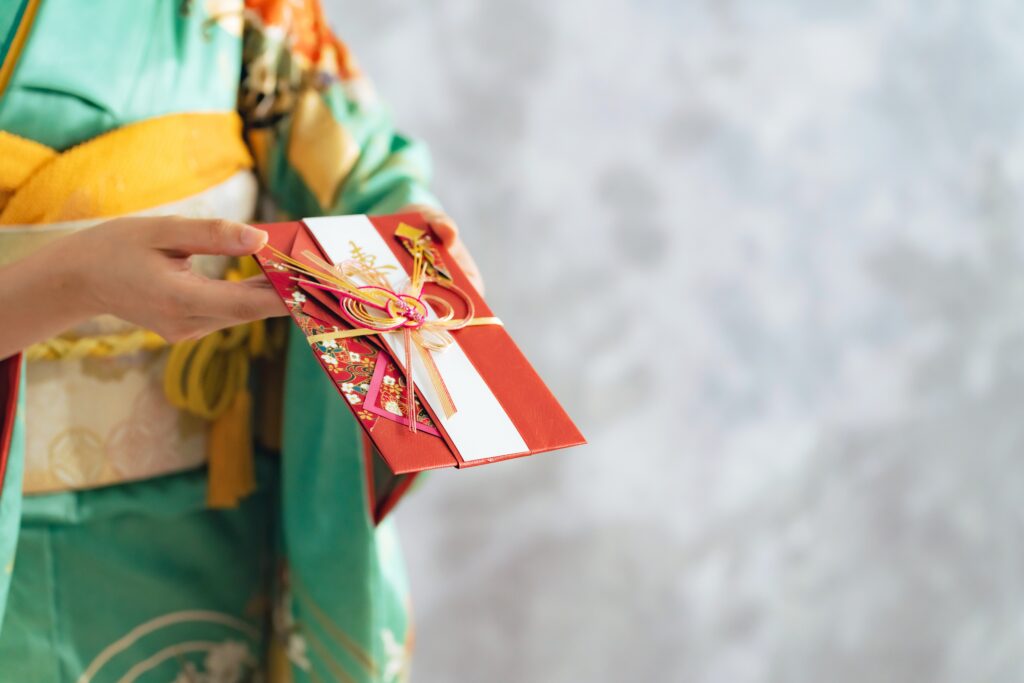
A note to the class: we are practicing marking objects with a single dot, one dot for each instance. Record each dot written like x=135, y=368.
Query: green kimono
x=135, y=578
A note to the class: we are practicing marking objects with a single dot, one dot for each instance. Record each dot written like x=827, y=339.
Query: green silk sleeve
x=323, y=143
x=384, y=172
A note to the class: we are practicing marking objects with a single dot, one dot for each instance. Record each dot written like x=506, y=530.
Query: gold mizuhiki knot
x=372, y=306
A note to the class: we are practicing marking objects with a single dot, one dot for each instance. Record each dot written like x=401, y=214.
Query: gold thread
x=364, y=332
x=335, y=632
x=18, y=43
x=401, y=309
x=98, y=346
x=145, y=628
x=335, y=667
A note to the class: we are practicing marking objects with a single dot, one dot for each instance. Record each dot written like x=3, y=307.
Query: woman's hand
x=138, y=270
x=448, y=232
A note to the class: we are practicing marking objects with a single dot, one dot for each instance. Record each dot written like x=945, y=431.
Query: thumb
x=202, y=236
x=441, y=223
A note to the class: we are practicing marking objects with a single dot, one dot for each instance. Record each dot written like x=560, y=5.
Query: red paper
x=529, y=404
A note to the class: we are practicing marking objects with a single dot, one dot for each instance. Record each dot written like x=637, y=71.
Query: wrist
x=40, y=296
x=62, y=272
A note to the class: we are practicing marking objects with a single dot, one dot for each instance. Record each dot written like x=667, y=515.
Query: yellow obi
x=97, y=412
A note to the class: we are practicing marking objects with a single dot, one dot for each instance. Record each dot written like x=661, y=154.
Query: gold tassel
x=232, y=473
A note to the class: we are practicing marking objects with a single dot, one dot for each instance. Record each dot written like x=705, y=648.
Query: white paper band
x=480, y=428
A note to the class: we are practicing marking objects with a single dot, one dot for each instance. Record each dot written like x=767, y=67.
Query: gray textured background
x=769, y=255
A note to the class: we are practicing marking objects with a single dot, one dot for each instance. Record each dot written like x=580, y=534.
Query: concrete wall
x=769, y=254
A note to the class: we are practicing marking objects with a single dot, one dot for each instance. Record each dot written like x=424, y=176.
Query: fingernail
x=252, y=238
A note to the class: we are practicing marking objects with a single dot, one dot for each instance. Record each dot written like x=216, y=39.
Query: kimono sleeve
x=323, y=143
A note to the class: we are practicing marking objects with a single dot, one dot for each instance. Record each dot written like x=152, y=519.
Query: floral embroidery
x=286, y=630
x=396, y=664
x=227, y=14
x=287, y=48
x=228, y=662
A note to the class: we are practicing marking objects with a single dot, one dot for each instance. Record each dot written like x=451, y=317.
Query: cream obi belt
x=108, y=402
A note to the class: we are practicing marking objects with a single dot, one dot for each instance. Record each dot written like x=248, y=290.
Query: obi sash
x=97, y=398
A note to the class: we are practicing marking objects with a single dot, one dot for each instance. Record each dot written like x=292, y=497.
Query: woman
x=140, y=539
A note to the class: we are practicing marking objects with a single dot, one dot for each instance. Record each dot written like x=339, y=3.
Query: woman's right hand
x=138, y=270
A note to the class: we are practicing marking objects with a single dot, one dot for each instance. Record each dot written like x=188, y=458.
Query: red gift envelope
x=413, y=350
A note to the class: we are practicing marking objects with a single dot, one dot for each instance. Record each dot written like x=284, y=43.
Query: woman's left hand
x=448, y=232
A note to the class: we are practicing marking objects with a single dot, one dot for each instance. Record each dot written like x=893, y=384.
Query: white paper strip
x=480, y=428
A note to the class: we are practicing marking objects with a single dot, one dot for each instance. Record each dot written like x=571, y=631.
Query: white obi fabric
x=99, y=421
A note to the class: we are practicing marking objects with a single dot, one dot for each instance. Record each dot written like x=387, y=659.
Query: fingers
x=444, y=227
x=232, y=302
x=202, y=236
x=467, y=263
x=448, y=232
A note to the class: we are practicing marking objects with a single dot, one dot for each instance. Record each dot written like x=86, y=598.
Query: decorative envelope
x=382, y=303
